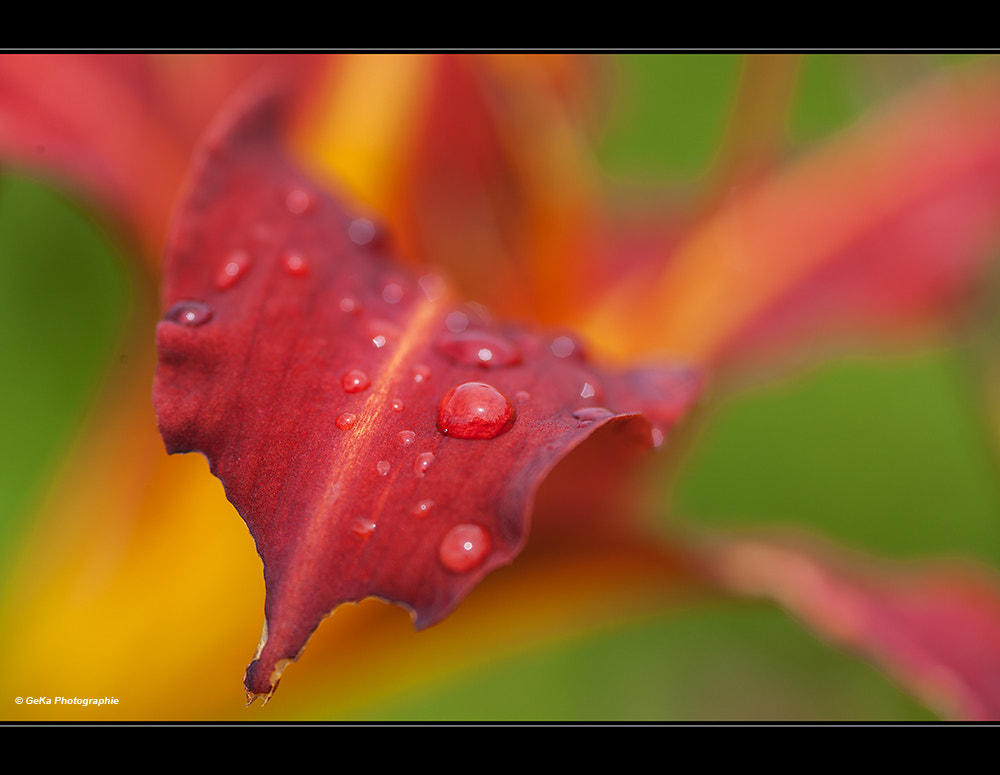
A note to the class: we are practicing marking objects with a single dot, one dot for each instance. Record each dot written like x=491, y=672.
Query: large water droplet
x=355, y=381
x=474, y=410
x=346, y=421
x=422, y=463
x=463, y=548
x=478, y=348
x=189, y=313
x=234, y=267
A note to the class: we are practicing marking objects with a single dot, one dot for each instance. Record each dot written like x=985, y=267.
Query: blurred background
x=890, y=454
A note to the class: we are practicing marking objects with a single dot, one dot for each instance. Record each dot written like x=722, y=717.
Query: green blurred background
x=884, y=455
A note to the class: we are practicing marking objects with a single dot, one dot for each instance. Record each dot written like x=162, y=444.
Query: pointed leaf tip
x=377, y=439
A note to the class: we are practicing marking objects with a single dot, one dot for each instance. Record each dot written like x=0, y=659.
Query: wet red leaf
x=378, y=439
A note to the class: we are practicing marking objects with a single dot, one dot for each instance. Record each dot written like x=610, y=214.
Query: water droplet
x=348, y=304
x=422, y=508
x=382, y=467
x=361, y=231
x=355, y=381
x=406, y=437
x=295, y=263
x=478, y=348
x=299, y=201
x=563, y=346
x=587, y=391
x=657, y=436
x=588, y=414
x=456, y=322
x=521, y=396
x=397, y=405
x=463, y=548
x=346, y=421
x=422, y=463
x=474, y=410
x=421, y=373
x=378, y=341
x=232, y=269
x=392, y=293
x=189, y=313
x=433, y=286
x=362, y=527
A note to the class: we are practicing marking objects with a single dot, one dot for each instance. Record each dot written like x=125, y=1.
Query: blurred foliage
x=886, y=456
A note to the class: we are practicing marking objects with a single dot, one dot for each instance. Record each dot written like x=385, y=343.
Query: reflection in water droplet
x=397, y=405
x=563, y=346
x=298, y=201
x=406, y=437
x=422, y=463
x=362, y=527
x=474, y=410
x=294, y=263
x=478, y=348
x=235, y=266
x=361, y=231
x=421, y=373
x=355, y=381
x=189, y=313
x=382, y=467
x=589, y=414
x=463, y=548
x=346, y=421
x=422, y=508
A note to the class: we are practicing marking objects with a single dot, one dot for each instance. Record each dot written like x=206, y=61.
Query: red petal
x=936, y=628
x=317, y=378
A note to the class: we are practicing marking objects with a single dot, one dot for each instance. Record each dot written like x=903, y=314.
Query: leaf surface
x=377, y=438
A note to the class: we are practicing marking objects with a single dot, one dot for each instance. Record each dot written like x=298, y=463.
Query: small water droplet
x=355, y=381
x=346, y=421
x=397, y=405
x=382, y=467
x=474, y=410
x=422, y=508
x=421, y=373
x=299, y=201
x=235, y=266
x=361, y=231
x=588, y=414
x=422, y=463
x=521, y=396
x=348, y=304
x=478, y=348
x=406, y=437
x=189, y=313
x=362, y=527
x=657, y=436
x=295, y=263
x=463, y=548
x=378, y=341
x=456, y=322
x=587, y=391
x=392, y=293
x=563, y=346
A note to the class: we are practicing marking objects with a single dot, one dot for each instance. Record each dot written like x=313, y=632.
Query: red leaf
x=377, y=440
